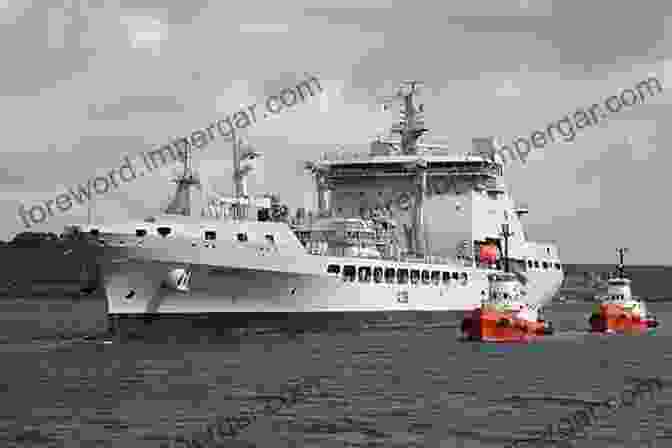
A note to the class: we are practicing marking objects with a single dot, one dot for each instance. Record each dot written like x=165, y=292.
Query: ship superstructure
x=407, y=227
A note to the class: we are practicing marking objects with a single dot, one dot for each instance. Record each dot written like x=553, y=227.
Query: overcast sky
x=84, y=85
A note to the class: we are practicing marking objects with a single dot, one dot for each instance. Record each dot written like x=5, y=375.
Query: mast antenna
x=506, y=234
x=621, y=267
x=411, y=124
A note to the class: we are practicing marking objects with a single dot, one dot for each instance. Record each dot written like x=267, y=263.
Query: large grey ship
x=409, y=227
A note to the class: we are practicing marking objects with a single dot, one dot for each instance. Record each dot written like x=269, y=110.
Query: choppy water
x=389, y=388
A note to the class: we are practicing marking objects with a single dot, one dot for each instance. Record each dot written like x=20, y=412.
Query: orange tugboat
x=619, y=311
x=504, y=316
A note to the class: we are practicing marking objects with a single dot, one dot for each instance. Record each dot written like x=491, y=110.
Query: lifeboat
x=503, y=315
x=618, y=311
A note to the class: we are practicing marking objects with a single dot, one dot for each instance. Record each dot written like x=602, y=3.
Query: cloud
x=507, y=90
x=41, y=47
x=264, y=28
x=8, y=177
x=173, y=12
x=134, y=104
x=145, y=32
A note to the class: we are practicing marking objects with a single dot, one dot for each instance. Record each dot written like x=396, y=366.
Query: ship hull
x=184, y=326
x=303, y=295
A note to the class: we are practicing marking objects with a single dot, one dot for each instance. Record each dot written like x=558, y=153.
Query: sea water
x=505, y=348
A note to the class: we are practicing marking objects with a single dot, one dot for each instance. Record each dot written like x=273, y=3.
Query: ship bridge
x=439, y=199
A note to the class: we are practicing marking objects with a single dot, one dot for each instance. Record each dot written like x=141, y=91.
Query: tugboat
x=504, y=316
x=618, y=311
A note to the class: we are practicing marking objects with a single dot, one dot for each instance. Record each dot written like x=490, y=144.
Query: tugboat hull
x=501, y=327
x=621, y=323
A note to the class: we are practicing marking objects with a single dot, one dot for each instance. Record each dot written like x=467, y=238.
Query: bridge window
x=389, y=275
x=365, y=274
x=402, y=276
x=349, y=273
x=333, y=269
x=242, y=237
x=378, y=275
x=140, y=232
x=210, y=235
x=415, y=276
x=545, y=265
x=425, y=277
x=436, y=277
x=446, y=277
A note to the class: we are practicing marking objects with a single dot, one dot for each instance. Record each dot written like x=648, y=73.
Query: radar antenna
x=411, y=125
x=621, y=267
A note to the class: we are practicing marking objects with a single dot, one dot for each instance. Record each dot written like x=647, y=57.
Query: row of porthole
x=395, y=275
x=208, y=235
x=262, y=250
x=544, y=264
x=193, y=244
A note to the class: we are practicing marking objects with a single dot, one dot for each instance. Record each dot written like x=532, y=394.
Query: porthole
x=445, y=277
x=333, y=269
x=389, y=275
x=378, y=275
x=210, y=235
x=402, y=276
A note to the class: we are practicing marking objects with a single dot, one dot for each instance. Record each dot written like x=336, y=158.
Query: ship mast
x=506, y=234
x=237, y=177
x=411, y=121
x=181, y=203
x=621, y=267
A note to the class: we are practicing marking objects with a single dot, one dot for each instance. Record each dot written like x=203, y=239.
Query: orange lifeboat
x=618, y=311
x=504, y=316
